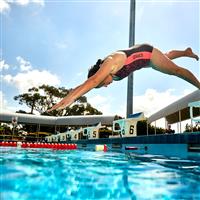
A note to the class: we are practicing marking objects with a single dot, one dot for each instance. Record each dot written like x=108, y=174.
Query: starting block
x=195, y=104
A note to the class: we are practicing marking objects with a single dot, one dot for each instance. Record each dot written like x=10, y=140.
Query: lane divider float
x=101, y=147
x=39, y=145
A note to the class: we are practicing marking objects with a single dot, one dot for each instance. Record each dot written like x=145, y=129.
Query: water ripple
x=48, y=174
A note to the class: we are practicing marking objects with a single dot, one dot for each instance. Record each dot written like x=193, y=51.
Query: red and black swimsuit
x=137, y=57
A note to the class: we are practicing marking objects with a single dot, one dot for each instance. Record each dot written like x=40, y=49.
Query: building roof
x=171, y=112
x=50, y=120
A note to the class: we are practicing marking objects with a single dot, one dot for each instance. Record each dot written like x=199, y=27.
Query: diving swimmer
x=121, y=63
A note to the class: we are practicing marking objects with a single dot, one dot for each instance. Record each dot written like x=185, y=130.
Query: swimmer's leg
x=164, y=64
x=178, y=53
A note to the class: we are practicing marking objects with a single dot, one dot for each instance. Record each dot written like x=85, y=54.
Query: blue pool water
x=49, y=174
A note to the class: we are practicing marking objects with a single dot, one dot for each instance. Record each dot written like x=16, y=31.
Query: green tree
x=5, y=129
x=142, y=129
x=192, y=128
x=44, y=97
x=32, y=99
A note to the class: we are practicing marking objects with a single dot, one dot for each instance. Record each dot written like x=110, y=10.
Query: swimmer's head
x=93, y=70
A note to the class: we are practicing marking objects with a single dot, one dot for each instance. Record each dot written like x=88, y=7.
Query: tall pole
x=129, y=109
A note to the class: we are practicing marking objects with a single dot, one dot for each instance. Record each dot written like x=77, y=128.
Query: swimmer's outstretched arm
x=88, y=85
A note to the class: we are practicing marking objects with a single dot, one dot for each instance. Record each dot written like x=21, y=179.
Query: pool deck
x=179, y=144
x=178, y=138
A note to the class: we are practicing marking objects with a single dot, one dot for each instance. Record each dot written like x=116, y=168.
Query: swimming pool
x=55, y=174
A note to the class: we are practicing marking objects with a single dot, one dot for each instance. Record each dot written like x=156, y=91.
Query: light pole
x=129, y=109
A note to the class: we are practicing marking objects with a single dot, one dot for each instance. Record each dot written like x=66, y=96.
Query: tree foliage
x=44, y=97
x=194, y=128
x=142, y=129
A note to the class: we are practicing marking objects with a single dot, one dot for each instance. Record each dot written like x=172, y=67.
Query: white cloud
x=3, y=65
x=153, y=101
x=149, y=103
x=29, y=77
x=101, y=103
x=105, y=105
x=5, y=4
x=7, y=78
x=22, y=2
x=26, y=2
x=24, y=65
x=33, y=78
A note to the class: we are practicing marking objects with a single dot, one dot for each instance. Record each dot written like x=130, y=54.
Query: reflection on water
x=49, y=174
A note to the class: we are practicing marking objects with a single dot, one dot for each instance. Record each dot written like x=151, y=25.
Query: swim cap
x=94, y=68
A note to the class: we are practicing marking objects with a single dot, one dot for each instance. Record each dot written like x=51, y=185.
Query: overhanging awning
x=179, y=110
x=49, y=120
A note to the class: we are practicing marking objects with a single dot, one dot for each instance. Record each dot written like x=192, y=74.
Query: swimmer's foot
x=190, y=54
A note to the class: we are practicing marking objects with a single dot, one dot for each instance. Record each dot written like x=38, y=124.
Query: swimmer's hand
x=73, y=95
x=65, y=102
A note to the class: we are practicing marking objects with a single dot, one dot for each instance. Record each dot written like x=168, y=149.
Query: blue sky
x=55, y=42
